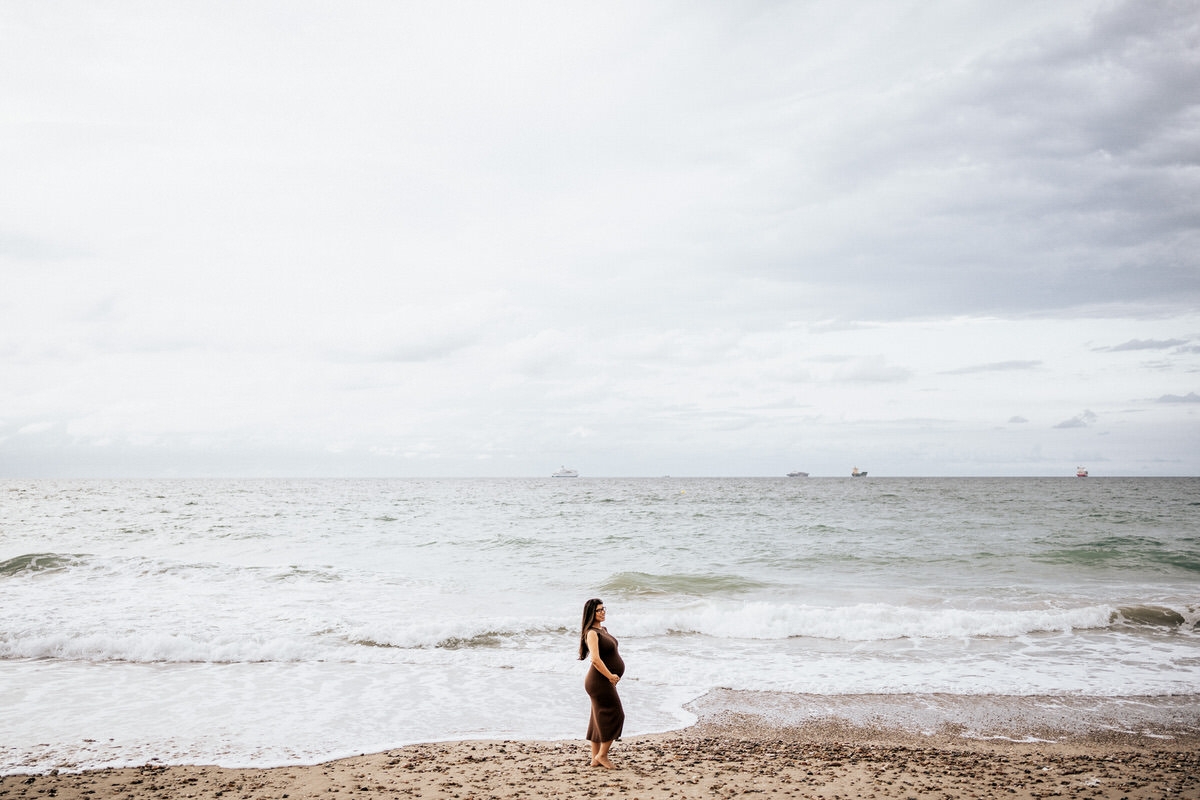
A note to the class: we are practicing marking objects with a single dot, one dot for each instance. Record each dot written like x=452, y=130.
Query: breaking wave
x=383, y=640
x=38, y=562
x=881, y=622
x=1157, y=617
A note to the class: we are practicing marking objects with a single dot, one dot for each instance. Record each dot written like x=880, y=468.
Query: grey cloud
x=1143, y=344
x=1190, y=397
x=999, y=366
x=1032, y=179
x=1118, y=90
x=1153, y=47
x=1078, y=421
x=1017, y=420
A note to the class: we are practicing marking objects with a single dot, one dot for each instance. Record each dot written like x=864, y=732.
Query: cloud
x=1143, y=344
x=1017, y=420
x=1023, y=179
x=706, y=234
x=1078, y=421
x=1190, y=397
x=998, y=366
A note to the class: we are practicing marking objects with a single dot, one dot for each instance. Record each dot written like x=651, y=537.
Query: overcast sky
x=633, y=238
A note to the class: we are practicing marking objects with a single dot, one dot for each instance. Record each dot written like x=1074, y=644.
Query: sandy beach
x=819, y=760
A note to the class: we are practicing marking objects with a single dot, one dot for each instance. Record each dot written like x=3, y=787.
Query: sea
x=272, y=622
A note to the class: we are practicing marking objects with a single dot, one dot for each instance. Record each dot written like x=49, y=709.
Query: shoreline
x=751, y=745
x=919, y=718
x=705, y=761
x=953, y=717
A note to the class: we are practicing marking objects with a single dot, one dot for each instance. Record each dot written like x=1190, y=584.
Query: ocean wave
x=49, y=563
x=645, y=583
x=326, y=638
x=881, y=622
x=139, y=568
x=359, y=645
x=1124, y=552
x=159, y=647
x=38, y=562
x=466, y=634
x=1157, y=617
x=487, y=639
x=312, y=574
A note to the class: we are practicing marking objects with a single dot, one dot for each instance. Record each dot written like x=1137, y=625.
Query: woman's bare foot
x=603, y=762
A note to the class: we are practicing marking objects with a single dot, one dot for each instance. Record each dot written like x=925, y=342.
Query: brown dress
x=608, y=718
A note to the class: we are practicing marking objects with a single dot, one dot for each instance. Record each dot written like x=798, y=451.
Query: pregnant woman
x=608, y=717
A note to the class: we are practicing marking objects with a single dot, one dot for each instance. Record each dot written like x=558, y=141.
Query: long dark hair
x=589, y=619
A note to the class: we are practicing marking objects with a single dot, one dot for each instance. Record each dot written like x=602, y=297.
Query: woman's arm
x=593, y=644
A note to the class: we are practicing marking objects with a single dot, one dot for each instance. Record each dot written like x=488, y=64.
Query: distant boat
x=565, y=473
x=1081, y=472
x=854, y=473
x=797, y=474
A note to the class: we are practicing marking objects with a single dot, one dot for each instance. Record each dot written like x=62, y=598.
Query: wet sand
x=712, y=760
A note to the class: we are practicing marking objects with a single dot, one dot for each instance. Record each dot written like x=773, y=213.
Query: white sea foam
x=246, y=634
x=864, y=622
